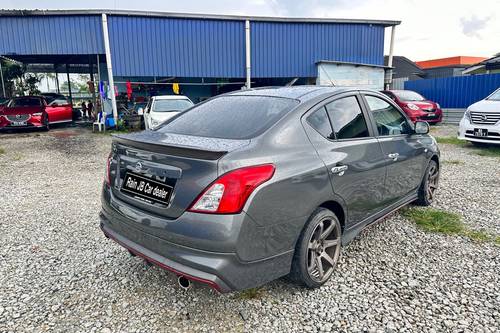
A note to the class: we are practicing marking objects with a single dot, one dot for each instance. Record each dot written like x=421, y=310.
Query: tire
x=429, y=185
x=47, y=124
x=311, y=247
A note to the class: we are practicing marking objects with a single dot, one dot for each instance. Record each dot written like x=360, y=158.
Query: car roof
x=170, y=97
x=302, y=93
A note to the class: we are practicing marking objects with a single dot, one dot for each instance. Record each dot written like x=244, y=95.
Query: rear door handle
x=340, y=169
x=393, y=156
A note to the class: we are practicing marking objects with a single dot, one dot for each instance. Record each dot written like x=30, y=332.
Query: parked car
x=162, y=108
x=253, y=185
x=416, y=106
x=58, y=107
x=24, y=112
x=481, y=121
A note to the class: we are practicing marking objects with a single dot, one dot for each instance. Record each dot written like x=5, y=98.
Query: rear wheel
x=318, y=249
x=429, y=185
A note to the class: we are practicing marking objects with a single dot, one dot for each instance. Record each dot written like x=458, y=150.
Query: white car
x=481, y=122
x=162, y=108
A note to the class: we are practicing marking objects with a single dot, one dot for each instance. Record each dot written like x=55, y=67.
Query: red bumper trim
x=163, y=266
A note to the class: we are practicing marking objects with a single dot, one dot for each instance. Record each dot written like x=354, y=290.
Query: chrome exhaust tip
x=184, y=283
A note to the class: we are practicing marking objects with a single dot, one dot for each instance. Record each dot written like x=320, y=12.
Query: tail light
x=229, y=193
x=107, y=176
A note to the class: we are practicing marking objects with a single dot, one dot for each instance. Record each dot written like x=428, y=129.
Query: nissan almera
x=254, y=185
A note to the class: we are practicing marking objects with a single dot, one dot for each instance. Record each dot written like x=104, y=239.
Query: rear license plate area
x=480, y=132
x=146, y=189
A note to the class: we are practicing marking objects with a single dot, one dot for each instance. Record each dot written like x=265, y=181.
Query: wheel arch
x=435, y=158
x=337, y=209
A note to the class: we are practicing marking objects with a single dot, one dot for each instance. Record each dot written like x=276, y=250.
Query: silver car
x=254, y=185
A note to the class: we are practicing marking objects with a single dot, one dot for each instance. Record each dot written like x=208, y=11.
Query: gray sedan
x=254, y=185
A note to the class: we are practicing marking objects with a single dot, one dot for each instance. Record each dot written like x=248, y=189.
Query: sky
x=429, y=29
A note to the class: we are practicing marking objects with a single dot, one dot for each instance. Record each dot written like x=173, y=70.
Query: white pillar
x=391, y=55
x=109, y=66
x=247, y=53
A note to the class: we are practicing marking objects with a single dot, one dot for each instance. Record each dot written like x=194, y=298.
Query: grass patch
x=2, y=151
x=489, y=151
x=17, y=157
x=479, y=235
x=453, y=162
x=433, y=220
x=451, y=140
x=252, y=293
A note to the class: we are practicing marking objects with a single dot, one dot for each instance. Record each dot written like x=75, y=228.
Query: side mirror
x=421, y=127
x=140, y=111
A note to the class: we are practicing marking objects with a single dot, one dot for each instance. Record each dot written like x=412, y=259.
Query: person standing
x=83, y=107
x=90, y=109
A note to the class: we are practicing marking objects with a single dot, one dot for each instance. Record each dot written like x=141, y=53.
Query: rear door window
x=320, y=122
x=347, y=119
x=230, y=117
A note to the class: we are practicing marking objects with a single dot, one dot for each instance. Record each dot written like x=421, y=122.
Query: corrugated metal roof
x=8, y=12
x=292, y=49
x=197, y=46
x=145, y=46
x=80, y=34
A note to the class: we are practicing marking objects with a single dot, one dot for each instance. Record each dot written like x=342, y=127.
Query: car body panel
x=257, y=244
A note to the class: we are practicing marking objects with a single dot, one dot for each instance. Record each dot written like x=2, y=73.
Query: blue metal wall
x=458, y=91
x=48, y=35
x=145, y=46
x=195, y=47
x=281, y=49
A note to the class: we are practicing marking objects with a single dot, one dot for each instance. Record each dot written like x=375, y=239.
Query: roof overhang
x=36, y=12
x=355, y=64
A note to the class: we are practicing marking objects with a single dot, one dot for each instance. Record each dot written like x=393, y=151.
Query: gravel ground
x=58, y=273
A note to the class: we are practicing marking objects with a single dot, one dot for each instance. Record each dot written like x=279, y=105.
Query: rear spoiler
x=169, y=148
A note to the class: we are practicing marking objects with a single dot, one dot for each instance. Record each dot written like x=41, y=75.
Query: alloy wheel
x=323, y=250
x=432, y=181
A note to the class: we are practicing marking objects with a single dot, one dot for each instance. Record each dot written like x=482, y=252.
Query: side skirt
x=60, y=121
x=353, y=231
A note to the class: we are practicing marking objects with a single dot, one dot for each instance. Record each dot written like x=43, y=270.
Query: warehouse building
x=148, y=53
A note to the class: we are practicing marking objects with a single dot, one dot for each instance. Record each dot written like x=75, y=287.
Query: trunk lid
x=185, y=164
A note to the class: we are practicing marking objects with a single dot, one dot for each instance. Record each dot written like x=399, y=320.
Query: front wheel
x=318, y=249
x=429, y=185
x=46, y=124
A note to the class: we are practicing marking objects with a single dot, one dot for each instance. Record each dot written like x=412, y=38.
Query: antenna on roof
x=291, y=83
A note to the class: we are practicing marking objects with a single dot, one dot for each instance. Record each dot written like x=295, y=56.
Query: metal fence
x=452, y=116
x=456, y=92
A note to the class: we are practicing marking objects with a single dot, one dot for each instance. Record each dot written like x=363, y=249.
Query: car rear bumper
x=224, y=271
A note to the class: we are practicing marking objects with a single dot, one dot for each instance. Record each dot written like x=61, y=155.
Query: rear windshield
x=26, y=101
x=171, y=105
x=230, y=117
x=408, y=95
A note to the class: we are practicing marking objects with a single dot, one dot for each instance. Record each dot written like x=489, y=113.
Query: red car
x=416, y=106
x=34, y=112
